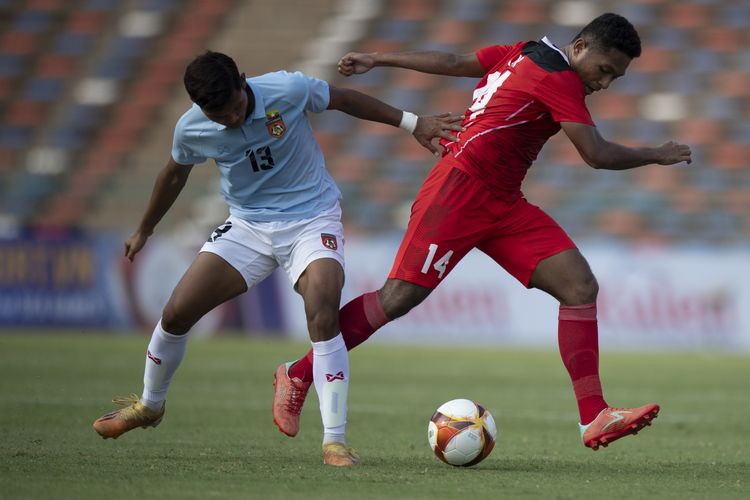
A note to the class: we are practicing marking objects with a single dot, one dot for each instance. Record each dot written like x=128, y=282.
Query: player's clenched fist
x=355, y=63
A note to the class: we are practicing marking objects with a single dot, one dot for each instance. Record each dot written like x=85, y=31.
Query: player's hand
x=355, y=63
x=134, y=243
x=440, y=126
x=672, y=152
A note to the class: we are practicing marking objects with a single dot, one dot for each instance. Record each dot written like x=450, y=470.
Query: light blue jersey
x=271, y=167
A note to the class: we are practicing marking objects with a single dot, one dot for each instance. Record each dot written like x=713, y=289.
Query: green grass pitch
x=218, y=439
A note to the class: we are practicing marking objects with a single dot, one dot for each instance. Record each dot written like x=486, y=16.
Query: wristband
x=408, y=121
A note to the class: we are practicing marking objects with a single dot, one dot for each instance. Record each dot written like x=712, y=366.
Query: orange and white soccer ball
x=461, y=432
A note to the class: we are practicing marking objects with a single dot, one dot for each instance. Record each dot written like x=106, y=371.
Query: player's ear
x=579, y=45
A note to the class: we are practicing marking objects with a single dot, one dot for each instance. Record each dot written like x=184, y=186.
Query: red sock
x=578, y=337
x=358, y=319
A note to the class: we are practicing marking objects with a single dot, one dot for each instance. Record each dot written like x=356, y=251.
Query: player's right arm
x=603, y=154
x=168, y=185
x=438, y=63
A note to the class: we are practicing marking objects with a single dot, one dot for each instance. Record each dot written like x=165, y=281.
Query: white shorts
x=256, y=249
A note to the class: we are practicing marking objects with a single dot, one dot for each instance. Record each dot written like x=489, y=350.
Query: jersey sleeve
x=186, y=150
x=562, y=93
x=317, y=91
x=490, y=56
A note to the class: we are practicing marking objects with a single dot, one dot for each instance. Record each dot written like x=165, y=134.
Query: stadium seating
x=82, y=81
x=690, y=85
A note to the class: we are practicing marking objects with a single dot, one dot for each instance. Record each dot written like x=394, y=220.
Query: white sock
x=331, y=376
x=164, y=354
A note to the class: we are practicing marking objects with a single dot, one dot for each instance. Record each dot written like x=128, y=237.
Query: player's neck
x=568, y=51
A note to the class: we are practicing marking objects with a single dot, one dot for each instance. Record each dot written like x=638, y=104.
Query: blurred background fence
x=90, y=91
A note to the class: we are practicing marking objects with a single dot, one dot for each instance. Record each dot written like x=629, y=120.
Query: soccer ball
x=461, y=432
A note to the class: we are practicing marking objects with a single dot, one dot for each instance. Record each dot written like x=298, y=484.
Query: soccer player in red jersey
x=473, y=199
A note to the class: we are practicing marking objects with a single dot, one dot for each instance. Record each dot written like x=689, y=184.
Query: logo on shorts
x=219, y=231
x=329, y=241
x=275, y=124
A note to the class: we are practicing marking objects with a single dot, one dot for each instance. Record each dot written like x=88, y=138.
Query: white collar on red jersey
x=546, y=40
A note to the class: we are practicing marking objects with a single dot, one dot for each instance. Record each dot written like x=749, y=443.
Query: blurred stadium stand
x=90, y=91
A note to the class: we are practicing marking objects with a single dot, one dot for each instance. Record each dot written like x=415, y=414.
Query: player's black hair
x=612, y=31
x=211, y=78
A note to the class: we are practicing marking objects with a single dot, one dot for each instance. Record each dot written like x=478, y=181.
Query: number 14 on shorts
x=441, y=263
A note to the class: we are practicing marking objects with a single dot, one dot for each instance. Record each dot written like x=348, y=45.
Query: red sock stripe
x=586, y=312
x=374, y=310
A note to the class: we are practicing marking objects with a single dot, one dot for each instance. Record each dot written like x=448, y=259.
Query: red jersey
x=529, y=88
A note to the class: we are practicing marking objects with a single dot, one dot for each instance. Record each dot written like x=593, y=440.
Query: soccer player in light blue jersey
x=284, y=211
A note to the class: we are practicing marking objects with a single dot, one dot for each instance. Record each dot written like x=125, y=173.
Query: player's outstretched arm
x=603, y=154
x=424, y=128
x=167, y=187
x=438, y=63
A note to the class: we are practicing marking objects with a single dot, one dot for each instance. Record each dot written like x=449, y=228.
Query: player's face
x=234, y=113
x=597, y=68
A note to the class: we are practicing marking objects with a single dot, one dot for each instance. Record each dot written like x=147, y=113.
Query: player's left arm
x=602, y=154
x=424, y=128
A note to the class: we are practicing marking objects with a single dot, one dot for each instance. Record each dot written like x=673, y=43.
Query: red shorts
x=454, y=212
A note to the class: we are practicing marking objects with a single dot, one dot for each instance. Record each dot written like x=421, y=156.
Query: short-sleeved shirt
x=271, y=167
x=528, y=89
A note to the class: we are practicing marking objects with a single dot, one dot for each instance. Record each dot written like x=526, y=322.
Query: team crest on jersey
x=275, y=124
x=329, y=241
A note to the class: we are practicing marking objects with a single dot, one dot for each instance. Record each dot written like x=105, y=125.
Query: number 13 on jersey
x=440, y=265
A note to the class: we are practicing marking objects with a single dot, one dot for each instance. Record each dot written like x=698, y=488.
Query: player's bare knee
x=323, y=323
x=175, y=323
x=400, y=297
x=583, y=291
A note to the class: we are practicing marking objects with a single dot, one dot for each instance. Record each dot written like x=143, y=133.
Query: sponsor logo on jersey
x=275, y=124
x=329, y=241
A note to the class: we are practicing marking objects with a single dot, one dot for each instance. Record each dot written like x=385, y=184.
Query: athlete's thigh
x=449, y=217
x=232, y=260
x=524, y=238
x=208, y=282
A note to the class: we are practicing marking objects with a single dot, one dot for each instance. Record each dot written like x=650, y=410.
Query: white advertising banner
x=668, y=298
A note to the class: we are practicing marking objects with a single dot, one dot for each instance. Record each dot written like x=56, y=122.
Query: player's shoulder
x=192, y=120
x=285, y=88
x=280, y=79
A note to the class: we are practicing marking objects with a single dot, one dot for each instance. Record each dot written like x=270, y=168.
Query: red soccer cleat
x=288, y=397
x=613, y=423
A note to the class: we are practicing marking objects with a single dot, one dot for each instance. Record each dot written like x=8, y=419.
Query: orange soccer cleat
x=288, y=397
x=133, y=414
x=613, y=423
